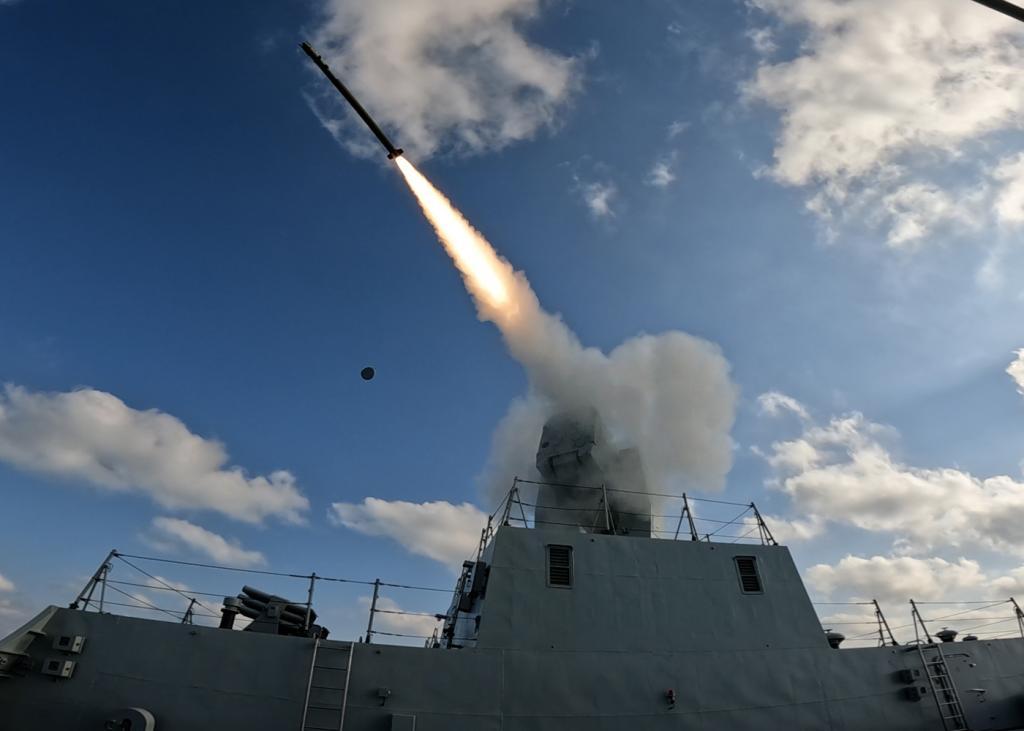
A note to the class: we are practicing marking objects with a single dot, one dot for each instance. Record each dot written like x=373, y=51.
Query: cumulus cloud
x=1009, y=203
x=661, y=174
x=194, y=537
x=391, y=617
x=444, y=74
x=882, y=96
x=787, y=531
x=774, y=403
x=676, y=128
x=10, y=614
x=95, y=437
x=916, y=210
x=897, y=579
x=1016, y=371
x=763, y=41
x=598, y=196
x=892, y=580
x=439, y=530
x=843, y=472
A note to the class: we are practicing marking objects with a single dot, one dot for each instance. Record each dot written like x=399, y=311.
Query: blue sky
x=182, y=233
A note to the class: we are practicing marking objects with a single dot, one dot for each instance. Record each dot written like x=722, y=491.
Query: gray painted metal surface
x=641, y=618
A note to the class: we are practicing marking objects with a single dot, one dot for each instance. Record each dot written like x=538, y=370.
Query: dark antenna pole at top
x=1004, y=7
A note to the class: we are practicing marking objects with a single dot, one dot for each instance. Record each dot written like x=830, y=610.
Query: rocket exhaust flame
x=668, y=395
x=488, y=277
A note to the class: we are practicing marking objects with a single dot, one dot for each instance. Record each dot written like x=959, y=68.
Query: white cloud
x=13, y=611
x=676, y=128
x=439, y=530
x=763, y=41
x=893, y=580
x=10, y=613
x=843, y=473
x=1016, y=371
x=881, y=98
x=93, y=436
x=598, y=196
x=1009, y=203
x=206, y=542
x=790, y=531
x=390, y=617
x=897, y=579
x=661, y=174
x=162, y=582
x=445, y=74
x=774, y=403
x=916, y=210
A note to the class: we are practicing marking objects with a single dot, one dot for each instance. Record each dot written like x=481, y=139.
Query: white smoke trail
x=670, y=395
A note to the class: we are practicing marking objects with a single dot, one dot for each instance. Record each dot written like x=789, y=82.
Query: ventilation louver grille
x=750, y=581
x=560, y=565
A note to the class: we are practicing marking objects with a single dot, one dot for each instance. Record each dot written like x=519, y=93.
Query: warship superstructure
x=576, y=615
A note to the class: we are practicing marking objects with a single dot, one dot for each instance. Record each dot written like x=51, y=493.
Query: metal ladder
x=951, y=711
x=327, y=687
x=943, y=688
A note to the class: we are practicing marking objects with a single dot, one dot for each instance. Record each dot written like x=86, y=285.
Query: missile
x=393, y=151
x=1004, y=7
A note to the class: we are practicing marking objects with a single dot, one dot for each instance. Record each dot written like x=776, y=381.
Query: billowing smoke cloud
x=670, y=395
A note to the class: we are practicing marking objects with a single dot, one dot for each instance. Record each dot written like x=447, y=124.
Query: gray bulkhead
x=188, y=677
x=641, y=617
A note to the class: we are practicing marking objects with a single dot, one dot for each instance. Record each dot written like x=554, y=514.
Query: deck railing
x=672, y=517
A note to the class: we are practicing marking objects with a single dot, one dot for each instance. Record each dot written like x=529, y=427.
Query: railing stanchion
x=85, y=596
x=1019, y=614
x=187, y=617
x=522, y=512
x=309, y=601
x=882, y=622
x=688, y=513
x=103, y=583
x=607, y=511
x=506, y=513
x=373, y=608
x=918, y=620
x=766, y=534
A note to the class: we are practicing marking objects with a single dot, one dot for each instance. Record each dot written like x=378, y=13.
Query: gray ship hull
x=639, y=618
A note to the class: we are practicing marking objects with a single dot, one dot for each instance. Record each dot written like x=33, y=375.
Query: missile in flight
x=393, y=151
x=1004, y=7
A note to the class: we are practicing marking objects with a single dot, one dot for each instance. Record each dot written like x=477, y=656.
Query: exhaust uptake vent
x=750, y=580
x=560, y=566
